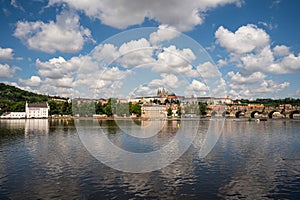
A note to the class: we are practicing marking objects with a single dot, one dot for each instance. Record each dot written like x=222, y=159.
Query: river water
x=45, y=159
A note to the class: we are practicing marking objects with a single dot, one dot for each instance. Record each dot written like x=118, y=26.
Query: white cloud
x=208, y=70
x=246, y=39
x=288, y=64
x=184, y=15
x=197, y=86
x=142, y=91
x=55, y=68
x=59, y=91
x=266, y=62
x=64, y=82
x=105, y=53
x=238, y=78
x=281, y=50
x=176, y=61
x=33, y=81
x=245, y=85
x=7, y=71
x=114, y=73
x=250, y=49
x=65, y=35
x=268, y=25
x=260, y=61
x=168, y=80
x=222, y=63
x=6, y=54
x=16, y=5
x=164, y=33
x=135, y=53
x=269, y=86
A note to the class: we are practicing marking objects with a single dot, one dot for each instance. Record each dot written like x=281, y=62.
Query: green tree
x=202, y=108
x=179, y=113
x=135, y=108
x=99, y=108
x=54, y=108
x=169, y=112
x=18, y=106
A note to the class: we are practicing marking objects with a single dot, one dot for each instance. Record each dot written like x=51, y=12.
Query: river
x=47, y=159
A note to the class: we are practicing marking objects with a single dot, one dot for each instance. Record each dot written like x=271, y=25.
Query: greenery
x=202, y=108
x=169, y=112
x=179, y=112
x=13, y=99
x=120, y=109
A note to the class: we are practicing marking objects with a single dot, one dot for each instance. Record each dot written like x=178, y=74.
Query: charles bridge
x=256, y=112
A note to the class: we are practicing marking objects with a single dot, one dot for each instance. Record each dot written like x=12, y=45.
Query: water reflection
x=45, y=159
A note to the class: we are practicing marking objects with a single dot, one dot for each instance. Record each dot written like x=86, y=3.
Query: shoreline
x=153, y=119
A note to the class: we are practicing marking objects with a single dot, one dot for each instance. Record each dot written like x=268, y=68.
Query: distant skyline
x=254, y=44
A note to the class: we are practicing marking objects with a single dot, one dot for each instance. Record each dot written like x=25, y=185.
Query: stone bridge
x=253, y=112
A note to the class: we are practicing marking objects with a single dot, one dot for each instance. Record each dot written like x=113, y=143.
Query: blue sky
x=50, y=46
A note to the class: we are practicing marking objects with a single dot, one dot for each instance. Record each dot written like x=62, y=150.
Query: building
x=14, y=115
x=37, y=110
x=32, y=110
x=153, y=111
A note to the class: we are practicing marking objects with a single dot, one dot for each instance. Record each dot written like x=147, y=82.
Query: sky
x=104, y=48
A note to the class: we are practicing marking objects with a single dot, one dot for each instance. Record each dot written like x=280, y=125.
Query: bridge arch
x=271, y=114
x=225, y=113
x=291, y=115
x=237, y=114
x=213, y=113
x=254, y=112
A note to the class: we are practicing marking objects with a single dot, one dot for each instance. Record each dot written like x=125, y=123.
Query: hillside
x=13, y=98
x=12, y=93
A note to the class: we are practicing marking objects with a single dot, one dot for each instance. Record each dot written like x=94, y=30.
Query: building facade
x=153, y=111
x=37, y=110
x=14, y=115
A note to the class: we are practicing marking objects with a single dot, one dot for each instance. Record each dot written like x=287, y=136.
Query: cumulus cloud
x=105, y=53
x=168, y=80
x=142, y=91
x=240, y=79
x=33, y=81
x=288, y=64
x=250, y=48
x=65, y=35
x=164, y=33
x=6, y=53
x=246, y=39
x=135, y=53
x=208, y=70
x=114, y=73
x=281, y=50
x=184, y=15
x=7, y=71
x=197, y=86
x=253, y=85
x=176, y=61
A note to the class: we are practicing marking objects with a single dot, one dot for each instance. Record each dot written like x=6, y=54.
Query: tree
x=54, y=108
x=179, y=111
x=66, y=108
x=202, y=108
x=135, y=108
x=169, y=113
x=99, y=108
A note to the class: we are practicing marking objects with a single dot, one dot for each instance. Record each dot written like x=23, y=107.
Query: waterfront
x=46, y=159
